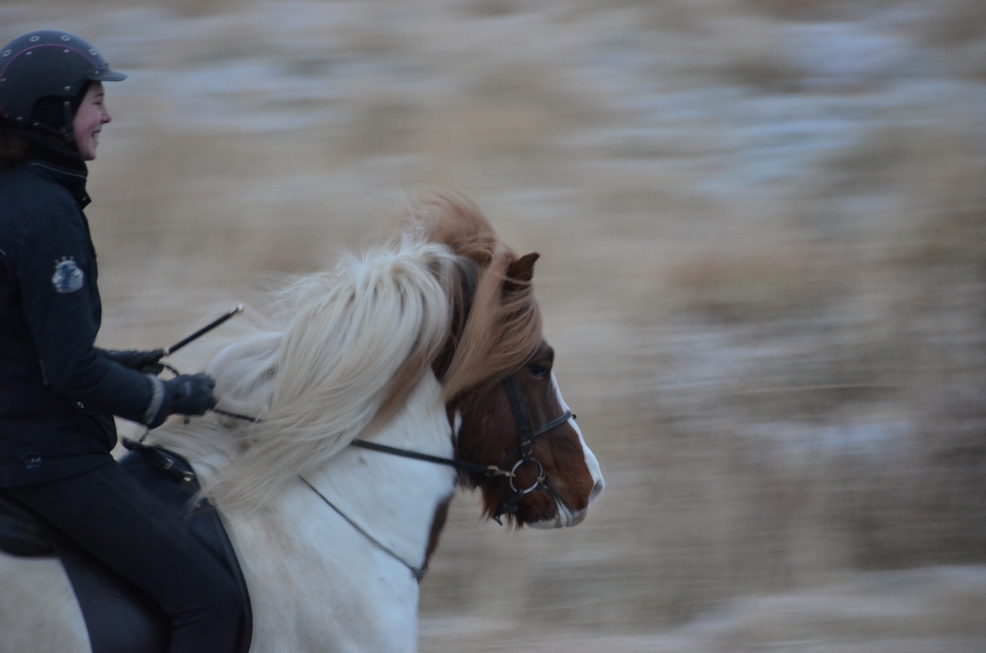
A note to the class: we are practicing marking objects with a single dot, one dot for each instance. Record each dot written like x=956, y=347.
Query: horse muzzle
x=565, y=516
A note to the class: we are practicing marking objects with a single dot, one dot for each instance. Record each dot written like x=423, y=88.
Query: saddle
x=119, y=616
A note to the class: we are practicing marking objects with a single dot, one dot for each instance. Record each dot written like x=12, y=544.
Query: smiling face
x=89, y=120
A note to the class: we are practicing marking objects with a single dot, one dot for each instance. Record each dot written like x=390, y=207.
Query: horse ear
x=523, y=268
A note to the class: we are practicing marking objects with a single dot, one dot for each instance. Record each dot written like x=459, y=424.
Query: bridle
x=525, y=437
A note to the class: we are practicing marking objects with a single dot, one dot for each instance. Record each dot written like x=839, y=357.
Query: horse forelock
x=453, y=220
x=502, y=332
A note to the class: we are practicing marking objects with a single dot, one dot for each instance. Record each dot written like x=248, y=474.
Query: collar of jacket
x=74, y=181
x=61, y=161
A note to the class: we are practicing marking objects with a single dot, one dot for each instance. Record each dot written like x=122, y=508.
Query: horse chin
x=563, y=518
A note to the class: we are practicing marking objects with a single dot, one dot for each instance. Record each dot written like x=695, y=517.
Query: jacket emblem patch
x=68, y=277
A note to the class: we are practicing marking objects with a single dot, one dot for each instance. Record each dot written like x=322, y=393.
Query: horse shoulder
x=314, y=584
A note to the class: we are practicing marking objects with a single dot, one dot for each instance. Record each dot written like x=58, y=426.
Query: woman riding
x=58, y=393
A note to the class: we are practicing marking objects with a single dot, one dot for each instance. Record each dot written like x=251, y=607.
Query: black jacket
x=58, y=393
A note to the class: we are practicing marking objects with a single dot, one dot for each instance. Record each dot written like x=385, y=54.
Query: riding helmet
x=43, y=64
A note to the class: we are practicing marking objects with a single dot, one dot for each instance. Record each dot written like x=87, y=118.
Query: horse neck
x=393, y=499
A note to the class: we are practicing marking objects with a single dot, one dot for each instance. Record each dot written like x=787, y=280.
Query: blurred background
x=763, y=236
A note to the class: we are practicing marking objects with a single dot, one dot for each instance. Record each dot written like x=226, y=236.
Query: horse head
x=501, y=390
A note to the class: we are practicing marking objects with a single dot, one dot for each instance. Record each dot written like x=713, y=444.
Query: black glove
x=143, y=361
x=190, y=394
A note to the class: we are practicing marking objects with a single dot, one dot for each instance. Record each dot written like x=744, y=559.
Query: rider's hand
x=143, y=361
x=190, y=394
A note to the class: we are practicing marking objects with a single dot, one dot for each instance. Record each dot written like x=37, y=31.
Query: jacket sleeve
x=56, y=270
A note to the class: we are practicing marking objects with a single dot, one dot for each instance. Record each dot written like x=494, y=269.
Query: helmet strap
x=65, y=134
x=69, y=121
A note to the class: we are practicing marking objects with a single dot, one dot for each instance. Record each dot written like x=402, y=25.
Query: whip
x=236, y=310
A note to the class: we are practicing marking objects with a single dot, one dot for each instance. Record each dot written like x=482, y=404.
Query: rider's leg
x=119, y=522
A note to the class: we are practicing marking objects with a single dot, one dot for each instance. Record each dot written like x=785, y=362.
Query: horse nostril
x=597, y=489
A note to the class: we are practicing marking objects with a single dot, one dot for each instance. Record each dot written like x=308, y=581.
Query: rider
x=58, y=393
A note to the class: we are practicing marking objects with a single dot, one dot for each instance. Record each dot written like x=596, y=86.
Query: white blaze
x=565, y=517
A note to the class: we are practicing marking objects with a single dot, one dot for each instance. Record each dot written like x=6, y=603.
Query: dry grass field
x=763, y=236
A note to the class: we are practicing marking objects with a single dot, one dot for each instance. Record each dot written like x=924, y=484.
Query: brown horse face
x=488, y=435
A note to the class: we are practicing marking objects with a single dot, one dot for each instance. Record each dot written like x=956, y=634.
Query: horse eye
x=539, y=370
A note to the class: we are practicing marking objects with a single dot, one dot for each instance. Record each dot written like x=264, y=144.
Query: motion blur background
x=763, y=236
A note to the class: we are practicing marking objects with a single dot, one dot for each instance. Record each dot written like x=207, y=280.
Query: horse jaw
x=564, y=516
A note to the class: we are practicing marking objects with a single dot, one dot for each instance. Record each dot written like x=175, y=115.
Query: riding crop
x=236, y=310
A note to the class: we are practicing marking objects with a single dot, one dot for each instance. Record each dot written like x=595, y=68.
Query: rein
x=490, y=471
x=524, y=439
x=524, y=446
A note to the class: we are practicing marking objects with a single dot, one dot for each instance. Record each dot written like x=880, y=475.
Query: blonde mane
x=344, y=350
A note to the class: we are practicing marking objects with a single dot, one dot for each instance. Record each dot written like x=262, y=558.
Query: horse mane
x=341, y=352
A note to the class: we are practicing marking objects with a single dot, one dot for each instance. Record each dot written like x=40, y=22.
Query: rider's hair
x=13, y=149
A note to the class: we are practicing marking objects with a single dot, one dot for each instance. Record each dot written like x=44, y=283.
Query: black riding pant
x=126, y=527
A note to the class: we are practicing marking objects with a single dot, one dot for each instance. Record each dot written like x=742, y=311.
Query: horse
x=346, y=421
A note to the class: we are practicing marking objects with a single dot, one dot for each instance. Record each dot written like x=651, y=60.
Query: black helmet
x=47, y=63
